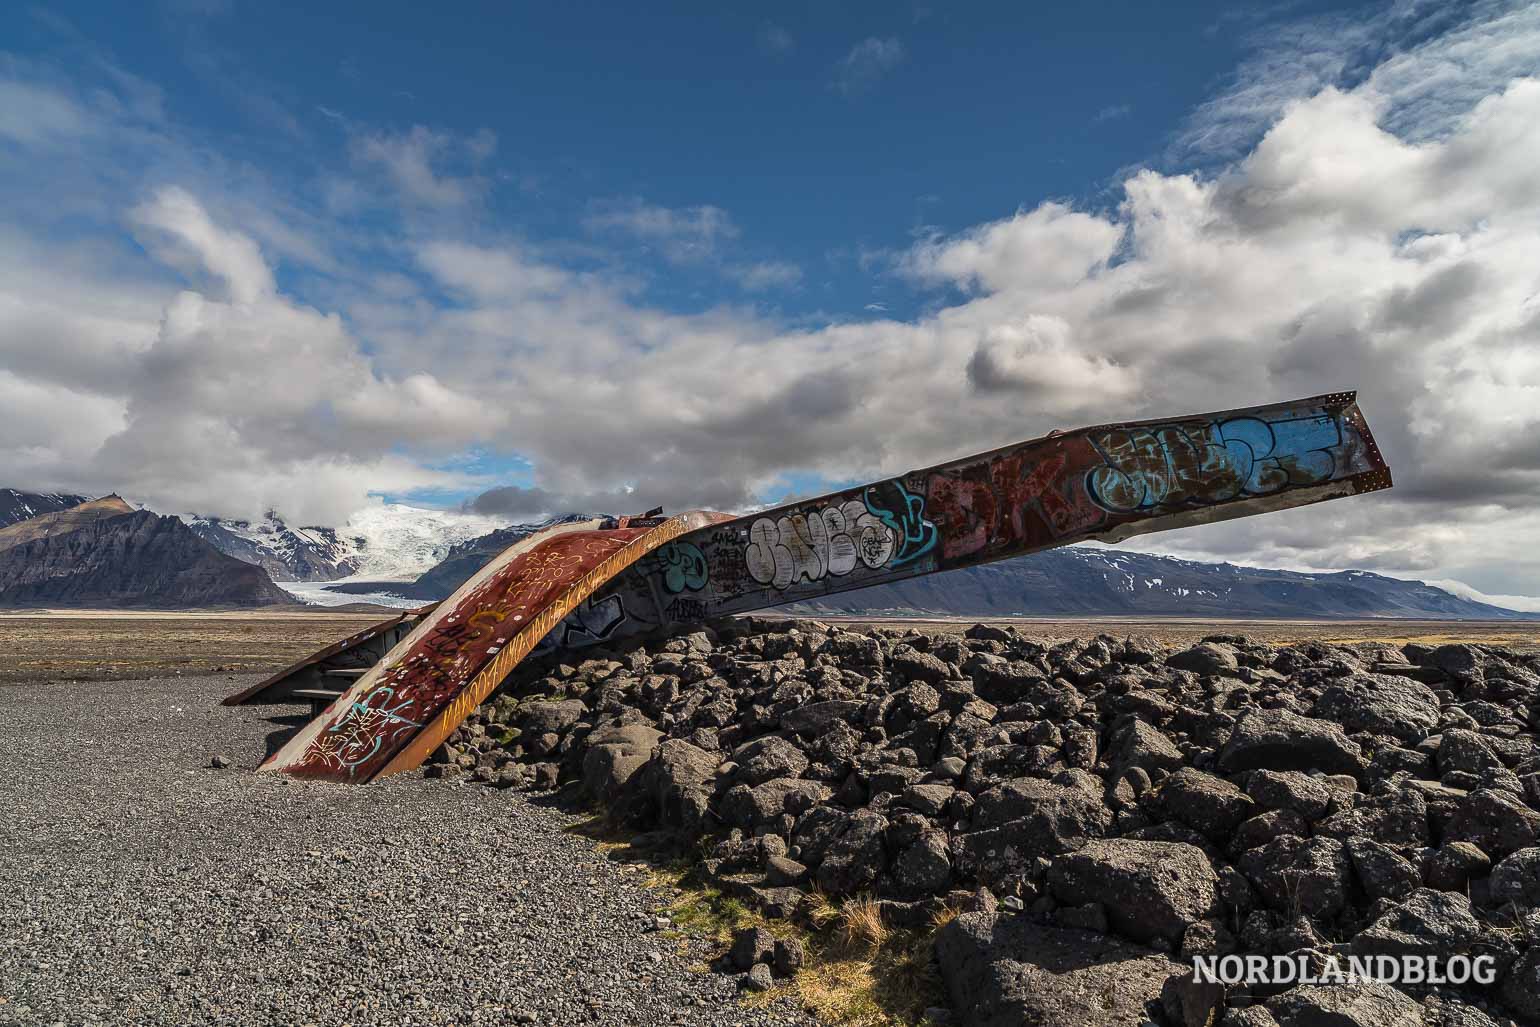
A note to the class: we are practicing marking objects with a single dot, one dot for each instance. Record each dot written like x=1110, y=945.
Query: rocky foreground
x=1101, y=811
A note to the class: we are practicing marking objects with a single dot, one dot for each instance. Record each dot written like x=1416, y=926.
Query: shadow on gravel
x=289, y=726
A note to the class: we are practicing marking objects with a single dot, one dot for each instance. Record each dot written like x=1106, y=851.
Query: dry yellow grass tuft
x=859, y=971
x=861, y=929
x=943, y=916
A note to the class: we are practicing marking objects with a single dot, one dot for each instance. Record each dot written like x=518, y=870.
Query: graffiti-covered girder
x=1105, y=483
x=582, y=583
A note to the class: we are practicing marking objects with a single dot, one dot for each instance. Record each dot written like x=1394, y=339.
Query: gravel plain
x=138, y=885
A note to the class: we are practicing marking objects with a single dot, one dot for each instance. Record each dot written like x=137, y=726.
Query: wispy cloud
x=684, y=235
x=416, y=163
x=867, y=63
x=1427, y=61
x=775, y=40
x=768, y=274
x=1112, y=113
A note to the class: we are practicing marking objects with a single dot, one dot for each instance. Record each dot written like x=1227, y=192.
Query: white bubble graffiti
x=827, y=542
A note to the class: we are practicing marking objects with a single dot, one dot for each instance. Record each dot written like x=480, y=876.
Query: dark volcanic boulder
x=1280, y=740
x=1290, y=790
x=924, y=867
x=1209, y=805
x=1381, y=704
x=613, y=756
x=1496, y=822
x=1137, y=744
x=680, y=778
x=1369, y=1004
x=1305, y=875
x=1517, y=878
x=1205, y=658
x=819, y=716
x=1466, y=752
x=856, y=856
x=1381, y=872
x=1006, y=971
x=1520, y=988
x=554, y=718
x=769, y=757
x=1427, y=923
x=1150, y=889
x=763, y=804
x=910, y=665
x=1060, y=816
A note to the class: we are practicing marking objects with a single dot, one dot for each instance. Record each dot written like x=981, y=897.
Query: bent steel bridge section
x=589, y=582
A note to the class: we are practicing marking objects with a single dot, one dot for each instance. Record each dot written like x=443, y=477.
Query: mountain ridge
x=1085, y=581
x=287, y=554
x=133, y=559
x=18, y=505
x=1076, y=581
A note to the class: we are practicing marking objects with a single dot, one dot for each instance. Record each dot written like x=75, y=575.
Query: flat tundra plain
x=89, y=645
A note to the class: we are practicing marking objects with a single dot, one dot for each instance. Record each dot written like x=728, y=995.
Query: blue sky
x=827, y=134
x=299, y=257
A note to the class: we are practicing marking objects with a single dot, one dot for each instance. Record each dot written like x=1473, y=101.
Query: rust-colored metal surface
x=404, y=707
x=276, y=687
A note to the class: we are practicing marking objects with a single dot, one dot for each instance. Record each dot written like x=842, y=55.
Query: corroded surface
x=1107, y=482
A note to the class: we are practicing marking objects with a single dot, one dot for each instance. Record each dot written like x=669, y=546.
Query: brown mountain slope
x=132, y=559
x=16, y=505
x=45, y=525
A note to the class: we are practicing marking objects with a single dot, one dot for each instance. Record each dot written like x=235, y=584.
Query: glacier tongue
x=396, y=542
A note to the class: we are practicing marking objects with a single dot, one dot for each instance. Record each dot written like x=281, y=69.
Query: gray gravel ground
x=139, y=886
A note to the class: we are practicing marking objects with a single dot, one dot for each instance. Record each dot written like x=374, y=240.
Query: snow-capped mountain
x=382, y=542
x=287, y=554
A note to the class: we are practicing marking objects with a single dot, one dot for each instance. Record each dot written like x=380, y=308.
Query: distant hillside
x=1080, y=581
x=18, y=506
x=105, y=553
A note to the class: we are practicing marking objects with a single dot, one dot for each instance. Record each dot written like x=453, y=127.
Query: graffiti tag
x=828, y=542
x=1194, y=465
x=684, y=567
x=903, y=513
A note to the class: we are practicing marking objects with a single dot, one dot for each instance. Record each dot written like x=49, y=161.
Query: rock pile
x=1103, y=810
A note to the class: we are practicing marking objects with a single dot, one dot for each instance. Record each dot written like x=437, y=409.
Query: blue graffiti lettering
x=684, y=567
x=1196, y=465
x=903, y=513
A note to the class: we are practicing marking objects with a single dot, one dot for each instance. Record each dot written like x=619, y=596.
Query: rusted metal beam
x=1106, y=483
x=588, y=582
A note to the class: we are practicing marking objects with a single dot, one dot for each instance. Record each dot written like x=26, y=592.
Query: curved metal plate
x=391, y=718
